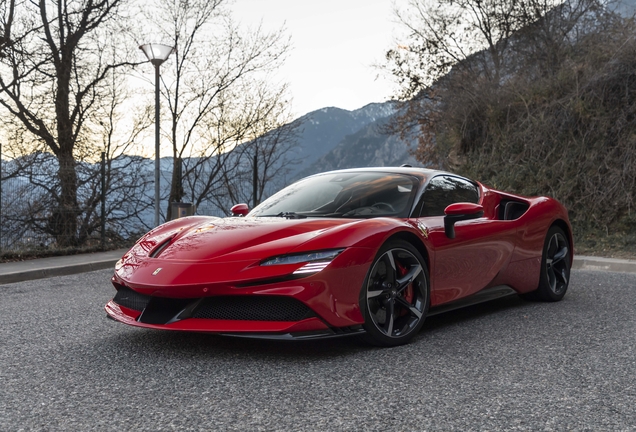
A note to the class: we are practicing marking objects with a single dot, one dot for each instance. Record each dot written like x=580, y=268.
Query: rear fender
x=534, y=225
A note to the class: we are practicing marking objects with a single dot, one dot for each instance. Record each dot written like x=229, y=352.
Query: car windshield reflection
x=343, y=195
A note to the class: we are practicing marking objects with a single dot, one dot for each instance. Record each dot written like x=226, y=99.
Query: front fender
x=365, y=233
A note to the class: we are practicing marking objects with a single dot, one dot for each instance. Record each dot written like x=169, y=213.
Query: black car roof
x=421, y=173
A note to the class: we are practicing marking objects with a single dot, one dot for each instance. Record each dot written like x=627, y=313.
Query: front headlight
x=316, y=261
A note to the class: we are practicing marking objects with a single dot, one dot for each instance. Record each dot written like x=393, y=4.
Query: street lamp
x=157, y=54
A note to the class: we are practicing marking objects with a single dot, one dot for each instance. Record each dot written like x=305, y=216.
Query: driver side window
x=443, y=191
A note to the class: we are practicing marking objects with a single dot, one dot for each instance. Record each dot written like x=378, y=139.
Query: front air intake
x=252, y=308
x=158, y=310
x=131, y=299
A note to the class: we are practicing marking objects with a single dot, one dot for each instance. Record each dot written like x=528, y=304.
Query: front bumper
x=311, y=327
x=329, y=297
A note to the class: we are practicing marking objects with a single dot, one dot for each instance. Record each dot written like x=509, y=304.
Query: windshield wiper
x=291, y=215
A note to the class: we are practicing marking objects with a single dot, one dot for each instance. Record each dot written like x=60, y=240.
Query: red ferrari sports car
x=368, y=251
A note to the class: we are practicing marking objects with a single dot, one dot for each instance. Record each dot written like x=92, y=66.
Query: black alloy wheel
x=395, y=295
x=555, y=267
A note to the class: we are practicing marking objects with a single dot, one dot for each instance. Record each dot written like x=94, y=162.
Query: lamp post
x=157, y=54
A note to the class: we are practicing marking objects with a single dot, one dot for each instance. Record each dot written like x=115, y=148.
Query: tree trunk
x=63, y=220
x=176, y=185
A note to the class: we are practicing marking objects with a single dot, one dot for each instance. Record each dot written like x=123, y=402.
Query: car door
x=468, y=263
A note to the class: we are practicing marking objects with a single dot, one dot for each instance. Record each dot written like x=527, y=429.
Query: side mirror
x=459, y=212
x=240, y=210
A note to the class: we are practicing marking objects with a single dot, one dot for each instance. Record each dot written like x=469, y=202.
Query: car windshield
x=343, y=194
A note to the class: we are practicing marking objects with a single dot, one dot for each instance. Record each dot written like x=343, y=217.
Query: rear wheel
x=395, y=295
x=555, y=267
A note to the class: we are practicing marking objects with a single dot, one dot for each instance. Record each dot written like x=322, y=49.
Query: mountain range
x=334, y=138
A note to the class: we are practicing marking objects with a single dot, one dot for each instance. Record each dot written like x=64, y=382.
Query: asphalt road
x=506, y=365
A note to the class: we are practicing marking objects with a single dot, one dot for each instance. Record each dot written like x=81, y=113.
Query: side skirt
x=482, y=296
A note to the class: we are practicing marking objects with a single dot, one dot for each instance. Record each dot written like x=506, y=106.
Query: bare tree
x=478, y=37
x=7, y=12
x=53, y=76
x=127, y=177
x=209, y=90
x=473, y=47
x=271, y=160
x=263, y=162
x=32, y=194
x=442, y=34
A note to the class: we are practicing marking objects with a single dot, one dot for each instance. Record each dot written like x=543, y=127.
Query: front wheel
x=395, y=295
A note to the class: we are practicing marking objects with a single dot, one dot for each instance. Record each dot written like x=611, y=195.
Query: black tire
x=395, y=296
x=555, y=267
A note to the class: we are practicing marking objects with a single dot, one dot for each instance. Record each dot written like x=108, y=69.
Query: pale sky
x=335, y=43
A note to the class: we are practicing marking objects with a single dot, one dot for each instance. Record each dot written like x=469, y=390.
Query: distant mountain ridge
x=335, y=138
x=369, y=146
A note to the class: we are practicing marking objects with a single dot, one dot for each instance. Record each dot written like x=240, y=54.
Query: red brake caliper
x=408, y=292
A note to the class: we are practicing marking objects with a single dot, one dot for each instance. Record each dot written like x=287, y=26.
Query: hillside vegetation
x=558, y=119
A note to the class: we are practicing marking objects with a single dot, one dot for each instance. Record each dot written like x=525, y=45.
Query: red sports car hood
x=209, y=238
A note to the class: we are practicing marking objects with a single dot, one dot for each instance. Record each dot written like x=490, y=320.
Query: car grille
x=131, y=299
x=253, y=308
x=242, y=308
